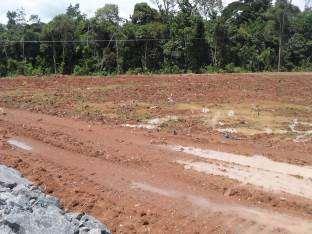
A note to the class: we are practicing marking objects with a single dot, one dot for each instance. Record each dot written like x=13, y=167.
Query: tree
x=298, y=49
x=34, y=19
x=74, y=12
x=179, y=36
x=143, y=50
x=280, y=17
x=60, y=31
x=284, y=5
x=165, y=7
x=209, y=8
x=308, y=5
x=144, y=14
x=109, y=12
x=16, y=18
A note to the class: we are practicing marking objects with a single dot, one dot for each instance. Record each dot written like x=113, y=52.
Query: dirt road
x=139, y=180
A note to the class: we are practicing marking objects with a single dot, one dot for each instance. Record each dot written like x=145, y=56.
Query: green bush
x=78, y=70
x=211, y=69
x=305, y=67
x=15, y=67
x=171, y=69
x=231, y=68
x=135, y=71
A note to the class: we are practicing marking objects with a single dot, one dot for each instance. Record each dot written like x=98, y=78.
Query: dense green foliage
x=180, y=36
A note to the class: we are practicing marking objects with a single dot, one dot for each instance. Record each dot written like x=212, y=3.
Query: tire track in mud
x=76, y=136
x=245, y=219
x=128, y=174
x=53, y=137
x=258, y=218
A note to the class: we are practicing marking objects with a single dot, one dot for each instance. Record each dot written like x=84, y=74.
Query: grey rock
x=96, y=231
x=92, y=223
x=5, y=229
x=8, y=227
x=25, y=209
x=11, y=176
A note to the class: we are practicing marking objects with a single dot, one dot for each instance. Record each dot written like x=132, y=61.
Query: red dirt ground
x=127, y=177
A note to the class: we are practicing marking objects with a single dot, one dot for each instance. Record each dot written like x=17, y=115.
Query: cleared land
x=189, y=153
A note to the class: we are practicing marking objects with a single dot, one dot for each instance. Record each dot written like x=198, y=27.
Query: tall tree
x=280, y=17
x=308, y=5
x=166, y=7
x=109, y=12
x=209, y=8
x=144, y=14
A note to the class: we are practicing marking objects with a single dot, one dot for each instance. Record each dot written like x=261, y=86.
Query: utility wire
x=90, y=41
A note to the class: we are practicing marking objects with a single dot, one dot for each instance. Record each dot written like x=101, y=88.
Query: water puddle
x=145, y=126
x=19, y=144
x=268, y=180
x=152, y=123
x=259, y=217
x=256, y=170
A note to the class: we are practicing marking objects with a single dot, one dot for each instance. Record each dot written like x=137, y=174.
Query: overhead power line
x=88, y=41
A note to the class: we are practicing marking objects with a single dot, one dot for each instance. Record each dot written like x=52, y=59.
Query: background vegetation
x=179, y=36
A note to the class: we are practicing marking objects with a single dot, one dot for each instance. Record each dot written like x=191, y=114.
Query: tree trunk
x=280, y=44
x=64, y=55
x=54, y=60
x=117, y=57
x=279, y=53
x=145, y=57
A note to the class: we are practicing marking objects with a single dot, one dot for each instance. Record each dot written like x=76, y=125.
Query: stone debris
x=170, y=99
x=301, y=135
x=2, y=111
x=231, y=113
x=227, y=130
x=25, y=209
x=205, y=110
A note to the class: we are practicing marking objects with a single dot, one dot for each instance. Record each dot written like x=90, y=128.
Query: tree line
x=178, y=36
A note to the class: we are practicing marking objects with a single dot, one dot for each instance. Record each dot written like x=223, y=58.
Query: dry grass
x=98, y=102
x=249, y=118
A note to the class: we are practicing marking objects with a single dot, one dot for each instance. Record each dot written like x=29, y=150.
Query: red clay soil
x=128, y=179
x=291, y=87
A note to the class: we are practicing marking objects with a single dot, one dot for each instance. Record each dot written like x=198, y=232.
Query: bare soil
x=167, y=154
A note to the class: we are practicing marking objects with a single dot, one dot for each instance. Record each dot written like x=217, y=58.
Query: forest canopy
x=179, y=36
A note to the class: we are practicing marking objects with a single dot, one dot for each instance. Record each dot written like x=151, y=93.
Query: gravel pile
x=26, y=209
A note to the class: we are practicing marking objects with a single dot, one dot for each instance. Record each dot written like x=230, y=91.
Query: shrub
x=15, y=67
x=231, y=68
x=171, y=69
x=78, y=70
x=135, y=71
x=212, y=69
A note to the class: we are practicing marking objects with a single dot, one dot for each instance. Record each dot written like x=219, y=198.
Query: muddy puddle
x=152, y=123
x=257, y=170
x=20, y=144
x=145, y=126
x=260, y=218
